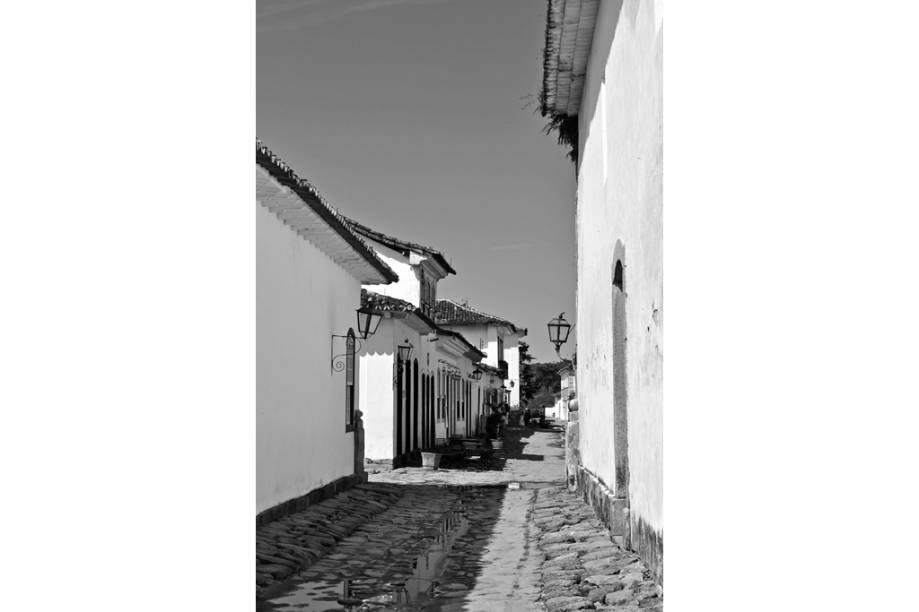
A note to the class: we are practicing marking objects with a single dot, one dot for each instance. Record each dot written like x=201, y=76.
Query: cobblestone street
x=492, y=535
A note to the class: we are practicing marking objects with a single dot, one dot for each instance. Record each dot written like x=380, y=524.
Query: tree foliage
x=537, y=379
x=543, y=399
x=526, y=373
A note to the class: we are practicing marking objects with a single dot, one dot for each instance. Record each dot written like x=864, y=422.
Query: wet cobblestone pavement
x=583, y=569
x=441, y=540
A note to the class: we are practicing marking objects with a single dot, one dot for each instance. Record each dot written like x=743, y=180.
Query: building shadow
x=489, y=458
x=455, y=524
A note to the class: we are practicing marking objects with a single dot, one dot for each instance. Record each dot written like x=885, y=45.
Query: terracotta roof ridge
x=307, y=192
x=481, y=313
x=373, y=234
x=388, y=303
x=373, y=295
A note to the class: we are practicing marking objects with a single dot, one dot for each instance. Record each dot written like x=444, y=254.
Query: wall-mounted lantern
x=476, y=374
x=405, y=351
x=346, y=359
x=559, y=329
x=404, y=354
x=368, y=322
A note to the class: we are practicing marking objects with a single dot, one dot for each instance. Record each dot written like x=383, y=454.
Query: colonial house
x=566, y=394
x=421, y=384
x=494, y=389
x=419, y=267
x=497, y=337
x=310, y=267
x=556, y=410
x=602, y=92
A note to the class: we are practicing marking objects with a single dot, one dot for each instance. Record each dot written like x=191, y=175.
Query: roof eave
x=285, y=176
x=568, y=40
x=402, y=246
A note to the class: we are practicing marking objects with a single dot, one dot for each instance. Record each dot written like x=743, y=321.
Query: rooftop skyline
x=417, y=118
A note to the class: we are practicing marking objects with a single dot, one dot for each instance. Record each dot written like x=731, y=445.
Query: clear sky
x=418, y=118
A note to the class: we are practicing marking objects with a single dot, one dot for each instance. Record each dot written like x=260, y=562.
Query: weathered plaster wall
x=619, y=215
x=302, y=298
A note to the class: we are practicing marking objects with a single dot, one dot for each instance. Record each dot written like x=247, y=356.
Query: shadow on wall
x=620, y=374
x=604, y=42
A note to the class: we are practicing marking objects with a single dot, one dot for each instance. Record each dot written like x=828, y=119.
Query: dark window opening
x=349, y=380
x=617, y=276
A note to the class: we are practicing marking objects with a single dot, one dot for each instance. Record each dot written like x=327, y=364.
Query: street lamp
x=404, y=354
x=559, y=329
x=477, y=374
x=405, y=351
x=367, y=322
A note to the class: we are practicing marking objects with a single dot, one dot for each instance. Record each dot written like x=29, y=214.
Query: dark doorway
x=432, y=420
x=399, y=399
x=415, y=413
x=620, y=390
x=406, y=424
x=424, y=410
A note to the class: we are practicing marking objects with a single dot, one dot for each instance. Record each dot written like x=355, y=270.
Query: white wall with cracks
x=619, y=218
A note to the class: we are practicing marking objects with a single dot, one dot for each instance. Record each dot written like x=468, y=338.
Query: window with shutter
x=349, y=380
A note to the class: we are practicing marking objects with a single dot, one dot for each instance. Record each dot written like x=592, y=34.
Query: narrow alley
x=480, y=533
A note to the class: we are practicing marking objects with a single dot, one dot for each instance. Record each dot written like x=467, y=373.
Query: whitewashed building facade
x=602, y=90
x=566, y=394
x=309, y=271
x=497, y=337
x=437, y=393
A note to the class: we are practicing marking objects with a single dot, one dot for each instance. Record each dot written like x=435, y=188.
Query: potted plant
x=430, y=460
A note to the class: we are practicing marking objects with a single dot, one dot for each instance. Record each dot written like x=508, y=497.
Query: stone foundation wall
x=572, y=452
x=649, y=545
x=303, y=502
x=634, y=535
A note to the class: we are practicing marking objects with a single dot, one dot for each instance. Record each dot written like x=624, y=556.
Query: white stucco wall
x=619, y=203
x=485, y=337
x=376, y=397
x=378, y=393
x=302, y=298
x=408, y=287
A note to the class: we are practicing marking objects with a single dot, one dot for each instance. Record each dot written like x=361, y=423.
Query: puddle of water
x=418, y=589
x=533, y=485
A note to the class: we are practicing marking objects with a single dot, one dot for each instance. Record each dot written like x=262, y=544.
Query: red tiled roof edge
x=472, y=316
x=285, y=175
x=385, y=303
x=401, y=244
